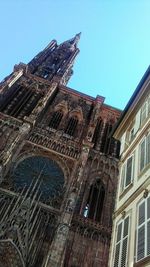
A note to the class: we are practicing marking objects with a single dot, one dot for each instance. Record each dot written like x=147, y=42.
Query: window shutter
x=143, y=112
x=126, y=227
x=124, y=252
x=125, y=243
x=122, y=143
x=137, y=122
x=141, y=218
x=148, y=149
x=117, y=254
x=141, y=243
x=129, y=171
x=148, y=226
x=141, y=232
x=118, y=245
x=123, y=177
x=119, y=232
x=148, y=208
x=142, y=155
x=148, y=238
x=122, y=244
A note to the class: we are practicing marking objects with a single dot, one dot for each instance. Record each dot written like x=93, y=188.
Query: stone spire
x=55, y=60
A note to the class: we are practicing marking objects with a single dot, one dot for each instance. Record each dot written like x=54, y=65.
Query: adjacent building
x=130, y=245
x=58, y=166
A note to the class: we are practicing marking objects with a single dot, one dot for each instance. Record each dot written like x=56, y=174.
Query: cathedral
x=58, y=166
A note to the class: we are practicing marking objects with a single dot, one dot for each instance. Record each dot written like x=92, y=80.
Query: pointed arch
x=75, y=119
x=63, y=106
x=71, y=125
x=58, y=114
x=56, y=119
x=78, y=113
x=95, y=201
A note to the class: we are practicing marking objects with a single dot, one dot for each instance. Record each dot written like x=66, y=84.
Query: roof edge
x=135, y=93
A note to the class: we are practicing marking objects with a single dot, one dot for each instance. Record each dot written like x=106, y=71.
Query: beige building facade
x=130, y=244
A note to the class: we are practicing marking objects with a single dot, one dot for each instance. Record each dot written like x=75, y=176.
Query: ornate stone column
x=57, y=250
x=94, y=118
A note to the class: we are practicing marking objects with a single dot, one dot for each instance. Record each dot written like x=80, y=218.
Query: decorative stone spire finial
x=77, y=38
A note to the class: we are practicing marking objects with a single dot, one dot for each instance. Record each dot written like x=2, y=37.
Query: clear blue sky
x=114, y=46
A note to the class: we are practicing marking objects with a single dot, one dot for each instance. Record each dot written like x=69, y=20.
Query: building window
x=71, y=126
x=144, y=152
x=95, y=201
x=145, y=110
x=56, y=119
x=121, y=246
x=143, y=230
x=127, y=173
x=20, y=102
x=131, y=134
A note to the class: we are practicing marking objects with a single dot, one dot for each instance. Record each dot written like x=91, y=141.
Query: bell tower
x=56, y=60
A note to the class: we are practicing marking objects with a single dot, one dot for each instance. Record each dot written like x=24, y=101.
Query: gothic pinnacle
x=76, y=38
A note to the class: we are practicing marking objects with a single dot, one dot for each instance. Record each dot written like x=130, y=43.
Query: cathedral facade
x=58, y=166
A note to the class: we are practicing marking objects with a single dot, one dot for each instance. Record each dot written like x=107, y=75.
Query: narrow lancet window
x=71, y=126
x=56, y=119
x=94, y=205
